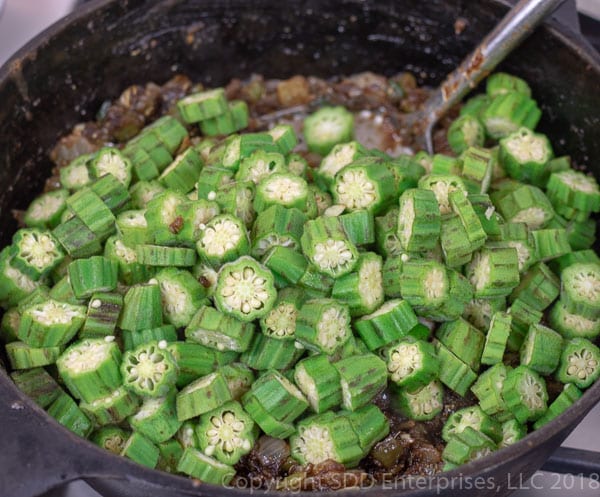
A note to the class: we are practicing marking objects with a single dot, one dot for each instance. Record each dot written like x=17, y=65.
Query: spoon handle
x=516, y=25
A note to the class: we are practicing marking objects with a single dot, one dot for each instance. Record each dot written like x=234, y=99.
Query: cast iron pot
x=62, y=76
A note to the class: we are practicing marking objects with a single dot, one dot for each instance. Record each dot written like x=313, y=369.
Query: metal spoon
x=518, y=23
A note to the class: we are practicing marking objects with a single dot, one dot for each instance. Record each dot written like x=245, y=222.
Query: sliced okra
x=572, y=325
x=102, y=315
x=198, y=465
x=538, y=287
x=112, y=161
x=112, y=408
x=412, y=363
x=507, y=112
x=442, y=185
x=323, y=325
x=223, y=239
x=38, y=385
x=202, y=395
x=493, y=272
x=419, y=221
x=194, y=360
x=475, y=418
x=574, y=189
x=226, y=433
x=541, y=349
x=319, y=381
x=266, y=352
x=496, y=338
x=198, y=107
x=512, y=432
x=149, y=370
x=524, y=393
x=22, y=356
x=580, y=291
x=181, y=175
x=156, y=419
x=579, y=363
x=339, y=157
x=526, y=204
x=234, y=119
x=277, y=226
x=194, y=214
x=111, y=438
x=488, y=390
x=362, y=377
x=285, y=189
x=468, y=445
x=144, y=191
x=181, y=295
x=35, y=252
x=550, y=243
x=422, y=404
x=131, y=272
x=76, y=174
x=133, y=339
x=92, y=275
x=464, y=132
x=287, y=265
x=328, y=127
x=280, y=322
x=142, y=308
x=141, y=450
x=454, y=373
x=46, y=210
x=66, y=411
x=161, y=256
x=524, y=154
x=161, y=216
x=132, y=227
x=50, y=323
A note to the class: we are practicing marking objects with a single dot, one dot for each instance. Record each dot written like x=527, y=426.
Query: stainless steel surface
x=518, y=23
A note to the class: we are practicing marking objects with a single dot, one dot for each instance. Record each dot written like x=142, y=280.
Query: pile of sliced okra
x=194, y=298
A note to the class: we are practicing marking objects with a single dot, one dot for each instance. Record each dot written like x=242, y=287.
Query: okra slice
x=202, y=395
x=260, y=164
x=424, y=283
x=523, y=316
x=319, y=381
x=237, y=199
x=580, y=290
x=204, y=105
x=287, y=265
x=340, y=156
x=468, y=445
x=245, y=289
x=102, y=315
x=323, y=325
x=160, y=256
x=277, y=396
x=131, y=272
x=194, y=360
x=112, y=408
x=571, y=325
x=507, y=112
x=92, y=275
x=132, y=227
x=35, y=252
x=579, y=363
x=392, y=321
x=327, y=246
x=475, y=418
x=226, y=433
x=364, y=186
x=550, y=243
x=14, y=285
x=162, y=219
x=574, y=189
x=526, y=204
x=206, y=469
x=142, y=307
x=111, y=438
x=464, y=340
x=22, y=356
x=386, y=238
x=462, y=207
x=496, y=338
x=419, y=221
x=442, y=185
x=524, y=154
x=65, y=410
x=212, y=179
x=559, y=264
x=361, y=290
x=239, y=378
x=370, y=425
x=170, y=453
x=326, y=437
x=133, y=339
x=181, y=295
x=223, y=239
x=328, y=127
x=454, y=241
x=87, y=206
x=90, y=368
x=524, y=393
x=445, y=164
x=501, y=83
x=512, y=432
x=280, y=322
x=38, y=385
x=112, y=192
x=284, y=137
x=362, y=377
x=285, y=189
x=569, y=395
x=454, y=373
x=76, y=174
x=156, y=419
x=297, y=165
x=9, y=325
x=464, y=132
x=277, y=226
x=181, y=175
x=144, y=191
x=411, y=363
x=581, y=235
x=538, y=287
x=194, y=216
x=422, y=404
x=541, y=349
x=486, y=213
x=112, y=161
x=493, y=272
x=141, y=450
x=50, y=323
x=266, y=352
x=234, y=119
x=219, y=331
x=46, y=210
x=488, y=390
x=149, y=370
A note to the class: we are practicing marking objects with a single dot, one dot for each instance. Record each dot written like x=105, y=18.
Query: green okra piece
x=22, y=356
x=319, y=381
x=512, y=432
x=493, y=272
x=541, y=349
x=525, y=204
x=219, y=331
x=468, y=445
x=201, y=396
x=194, y=360
x=475, y=418
x=419, y=220
x=496, y=338
x=507, y=112
x=50, y=323
x=92, y=275
x=488, y=390
x=109, y=160
x=111, y=409
x=204, y=468
x=156, y=419
x=38, y=385
x=239, y=378
x=286, y=263
x=198, y=107
x=285, y=189
x=65, y=410
x=422, y=404
x=131, y=272
x=181, y=175
x=454, y=373
x=464, y=340
x=579, y=363
x=141, y=450
x=223, y=239
x=149, y=370
x=323, y=325
x=571, y=325
x=464, y=132
x=277, y=226
x=102, y=315
x=227, y=433
x=280, y=322
x=579, y=283
x=524, y=393
x=538, y=287
x=569, y=395
x=362, y=377
x=266, y=352
x=328, y=127
x=142, y=307
x=181, y=295
x=412, y=363
x=524, y=154
x=45, y=211
x=111, y=438
x=132, y=227
x=133, y=339
x=35, y=252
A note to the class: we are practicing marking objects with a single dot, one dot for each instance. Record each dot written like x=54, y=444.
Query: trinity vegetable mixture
x=259, y=282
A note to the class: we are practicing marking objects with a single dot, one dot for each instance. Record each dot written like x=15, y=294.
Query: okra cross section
x=202, y=395
x=323, y=325
x=245, y=289
x=90, y=368
x=149, y=370
x=35, y=252
x=421, y=404
x=223, y=239
x=524, y=392
x=362, y=377
x=50, y=323
x=579, y=363
x=226, y=433
x=319, y=381
x=412, y=363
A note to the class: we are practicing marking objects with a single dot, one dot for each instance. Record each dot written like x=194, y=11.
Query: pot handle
x=37, y=454
x=578, y=462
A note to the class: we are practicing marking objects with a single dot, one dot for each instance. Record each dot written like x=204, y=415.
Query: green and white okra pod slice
x=112, y=408
x=579, y=363
x=362, y=377
x=149, y=370
x=422, y=404
x=50, y=323
x=580, y=289
x=541, y=349
x=202, y=395
x=90, y=368
x=35, y=252
x=474, y=417
x=223, y=239
x=327, y=127
x=156, y=419
x=198, y=465
x=419, y=220
x=319, y=381
x=412, y=363
x=181, y=295
x=22, y=356
x=524, y=393
x=285, y=189
x=46, y=210
x=323, y=325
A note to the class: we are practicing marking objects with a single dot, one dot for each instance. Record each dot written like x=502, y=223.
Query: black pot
x=62, y=76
